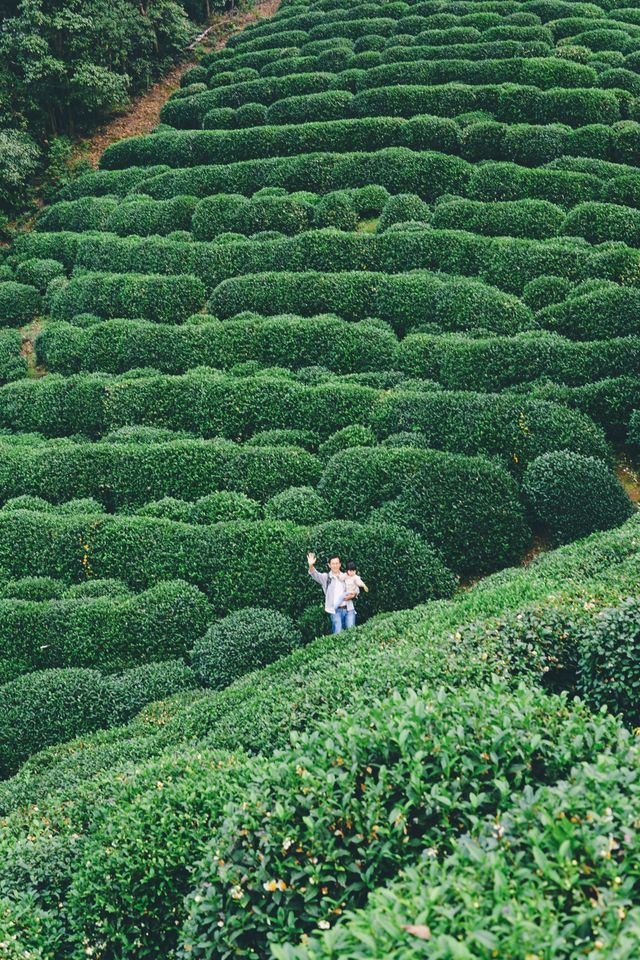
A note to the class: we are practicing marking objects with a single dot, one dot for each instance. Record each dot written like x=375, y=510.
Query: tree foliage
x=67, y=64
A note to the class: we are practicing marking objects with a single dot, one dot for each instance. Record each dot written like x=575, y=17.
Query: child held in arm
x=353, y=584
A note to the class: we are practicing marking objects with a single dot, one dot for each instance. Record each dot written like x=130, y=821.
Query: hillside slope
x=369, y=289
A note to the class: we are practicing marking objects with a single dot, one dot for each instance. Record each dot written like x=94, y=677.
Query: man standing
x=337, y=603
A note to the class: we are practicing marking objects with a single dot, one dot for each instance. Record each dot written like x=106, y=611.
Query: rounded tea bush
x=570, y=495
x=314, y=622
x=244, y=641
x=609, y=668
x=302, y=505
x=168, y=508
x=401, y=208
x=545, y=290
x=90, y=589
x=225, y=505
x=33, y=588
x=39, y=273
x=146, y=683
x=81, y=505
x=355, y=435
x=19, y=303
x=27, y=501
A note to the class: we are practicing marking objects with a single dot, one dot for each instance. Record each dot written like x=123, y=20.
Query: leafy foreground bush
x=485, y=898
x=352, y=803
x=244, y=641
x=571, y=496
x=327, y=819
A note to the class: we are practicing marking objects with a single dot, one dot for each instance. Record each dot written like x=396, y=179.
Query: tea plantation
x=370, y=288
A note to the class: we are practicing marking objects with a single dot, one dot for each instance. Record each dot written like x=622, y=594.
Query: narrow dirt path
x=628, y=474
x=28, y=349
x=144, y=112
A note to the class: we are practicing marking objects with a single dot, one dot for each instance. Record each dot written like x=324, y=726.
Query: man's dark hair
x=350, y=565
x=334, y=556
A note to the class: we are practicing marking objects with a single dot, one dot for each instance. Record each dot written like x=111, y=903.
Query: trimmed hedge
x=34, y=588
x=301, y=505
x=510, y=263
x=189, y=112
x=49, y=707
x=570, y=495
x=515, y=429
x=402, y=208
x=508, y=181
x=212, y=508
x=493, y=363
x=407, y=247
x=402, y=300
x=599, y=222
x=216, y=146
x=130, y=215
x=214, y=405
x=609, y=402
x=312, y=107
x=38, y=273
x=131, y=474
x=85, y=213
x=201, y=403
x=236, y=564
x=108, y=295
x=535, y=219
x=509, y=102
x=540, y=72
x=467, y=506
x=149, y=683
x=116, y=346
x=99, y=182
x=233, y=212
x=13, y=365
x=398, y=169
x=609, y=311
x=242, y=642
x=146, y=217
x=107, y=632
